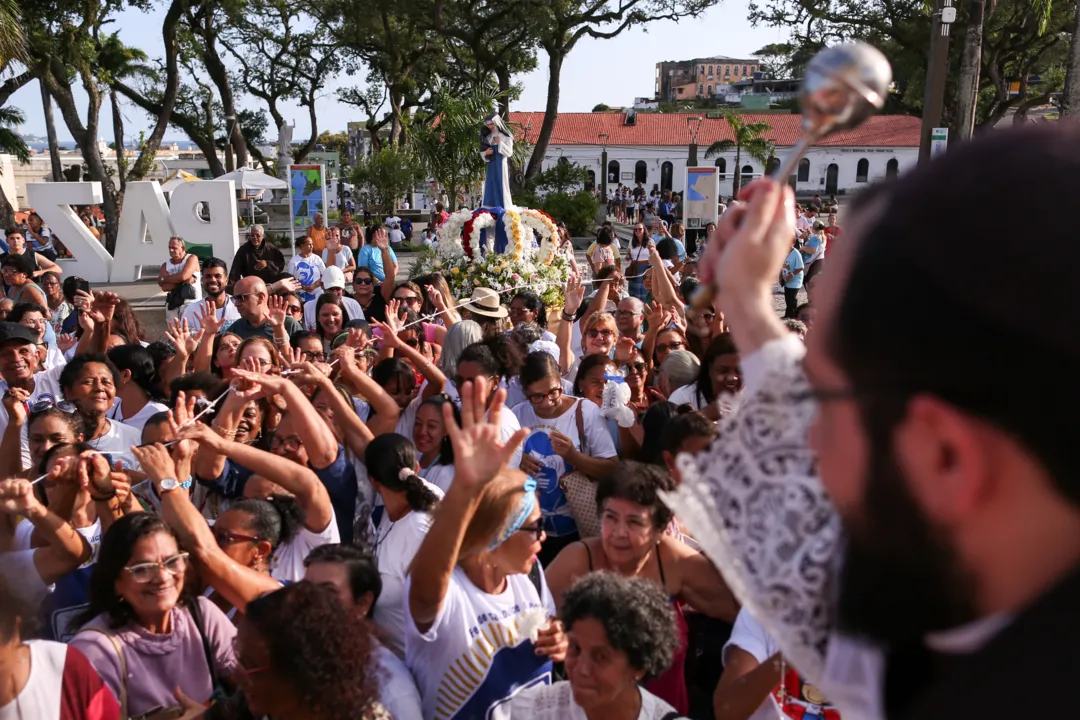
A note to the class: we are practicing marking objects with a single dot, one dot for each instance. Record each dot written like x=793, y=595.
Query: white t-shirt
x=344, y=257
x=407, y=418
x=46, y=387
x=395, y=236
x=515, y=395
x=473, y=658
x=62, y=685
x=556, y=702
x=749, y=636
x=308, y=271
x=193, y=312
x=117, y=442
x=18, y=570
x=287, y=564
x=396, y=544
x=597, y=443
x=397, y=689
x=138, y=420
x=688, y=394
x=351, y=306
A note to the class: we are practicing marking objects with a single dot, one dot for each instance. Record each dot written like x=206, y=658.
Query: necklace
x=380, y=538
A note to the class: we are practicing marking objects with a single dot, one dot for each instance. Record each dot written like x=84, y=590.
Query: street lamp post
x=693, y=124
x=937, y=69
x=603, y=168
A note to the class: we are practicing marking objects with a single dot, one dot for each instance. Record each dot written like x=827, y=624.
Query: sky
x=597, y=71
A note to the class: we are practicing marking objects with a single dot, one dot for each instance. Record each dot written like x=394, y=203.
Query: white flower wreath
x=549, y=234
x=450, y=233
x=483, y=221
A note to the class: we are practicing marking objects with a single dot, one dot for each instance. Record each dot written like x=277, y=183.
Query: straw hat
x=485, y=301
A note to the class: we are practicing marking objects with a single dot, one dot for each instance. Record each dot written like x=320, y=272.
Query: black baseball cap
x=15, y=331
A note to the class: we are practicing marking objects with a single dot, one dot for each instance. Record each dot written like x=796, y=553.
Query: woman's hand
x=306, y=374
x=561, y=444
x=95, y=475
x=530, y=465
x=390, y=337
x=17, y=498
x=258, y=383
x=656, y=315
x=156, y=462
x=479, y=453
x=552, y=642
x=624, y=348
x=575, y=293
x=66, y=341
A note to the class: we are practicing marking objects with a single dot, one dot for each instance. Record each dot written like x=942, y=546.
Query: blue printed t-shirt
x=793, y=262
x=339, y=478
x=371, y=257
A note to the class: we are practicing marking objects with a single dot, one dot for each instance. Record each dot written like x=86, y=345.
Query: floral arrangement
x=498, y=272
x=545, y=227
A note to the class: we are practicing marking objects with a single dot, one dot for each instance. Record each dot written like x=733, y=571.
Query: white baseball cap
x=333, y=277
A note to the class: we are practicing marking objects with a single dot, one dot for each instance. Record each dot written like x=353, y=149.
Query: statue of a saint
x=496, y=146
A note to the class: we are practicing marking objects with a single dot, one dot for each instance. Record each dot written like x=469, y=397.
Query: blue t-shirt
x=339, y=478
x=793, y=262
x=371, y=257
x=810, y=247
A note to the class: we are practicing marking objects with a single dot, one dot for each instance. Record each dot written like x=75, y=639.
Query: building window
x=667, y=171
x=613, y=171
x=727, y=70
x=721, y=168
x=701, y=69
x=892, y=168
x=862, y=170
x=744, y=70
x=590, y=180
x=771, y=164
x=700, y=89
x=804, y=170
x=641, y=172
x=710, y=70
x=710, y=89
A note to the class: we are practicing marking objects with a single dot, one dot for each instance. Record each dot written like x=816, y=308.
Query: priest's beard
x=901, y=577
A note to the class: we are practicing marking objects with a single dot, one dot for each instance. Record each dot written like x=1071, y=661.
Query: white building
x=653, y=148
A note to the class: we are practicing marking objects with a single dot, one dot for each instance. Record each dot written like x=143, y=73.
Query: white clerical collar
x=968, y=638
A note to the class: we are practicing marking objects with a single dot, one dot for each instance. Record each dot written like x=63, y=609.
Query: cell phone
x=81, y=284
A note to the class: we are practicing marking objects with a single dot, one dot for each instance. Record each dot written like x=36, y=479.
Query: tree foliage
x=562, y=177
x=387, y=175
x=747, y=139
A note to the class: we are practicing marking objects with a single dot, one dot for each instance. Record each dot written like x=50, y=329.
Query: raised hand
x=95, y=475
x=575, y=293
x=258, y=383
x=381, y=239
x=156, y=462
x=656, y=315
x=15, y=400
x=308, y=373
x=389, y=332
x=436, y=296
x=358, y=339
x=66, y=341
x=479, y=453
x=104, y=305
x=277, y=306
x=208, y=318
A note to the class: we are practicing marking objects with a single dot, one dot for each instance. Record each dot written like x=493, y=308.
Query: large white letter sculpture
x=53, y=202
x=222, y=228
x=145, y=213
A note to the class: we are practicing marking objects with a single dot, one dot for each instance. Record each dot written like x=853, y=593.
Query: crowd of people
x=333, y=492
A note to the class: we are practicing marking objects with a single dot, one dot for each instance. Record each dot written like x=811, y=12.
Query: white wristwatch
x=168, y=485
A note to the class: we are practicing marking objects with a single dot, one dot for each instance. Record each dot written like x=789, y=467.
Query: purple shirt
x=156, y=663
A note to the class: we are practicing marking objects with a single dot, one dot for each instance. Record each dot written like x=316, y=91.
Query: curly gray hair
x=635, y=614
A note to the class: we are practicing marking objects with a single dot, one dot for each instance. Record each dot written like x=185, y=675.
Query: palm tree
x=12, y=39
x=117, y=61
x=747, y=139
x=11, y=143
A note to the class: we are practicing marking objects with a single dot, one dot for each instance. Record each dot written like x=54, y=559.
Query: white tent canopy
x=249, y=179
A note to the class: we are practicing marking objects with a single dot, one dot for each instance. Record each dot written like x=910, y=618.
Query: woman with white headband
x=477, y=626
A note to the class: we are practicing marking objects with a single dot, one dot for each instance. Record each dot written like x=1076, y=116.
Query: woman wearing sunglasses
x=153, y=645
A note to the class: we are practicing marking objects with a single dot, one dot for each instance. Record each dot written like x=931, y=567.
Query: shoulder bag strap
x=582, y=440
x=123, y=669
x=197, y=616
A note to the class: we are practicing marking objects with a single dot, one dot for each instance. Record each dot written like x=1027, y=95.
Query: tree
x=12, y=49
x=387, y=175
x=967, y=97
x=11, y=143
x=747, y=139
x=565, y=23
x=775, y=60
x=116, y=60
x=335, y=142
x=1070, y=98
x=601, y=107
x=279, y=60
x=562, y=177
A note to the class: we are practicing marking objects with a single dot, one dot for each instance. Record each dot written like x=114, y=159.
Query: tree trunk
x=50, y=133
x=967, y=100
x=118, y=140
x=215, y=68
x=1070, y=97
x=312, y=141
x=7, y=213
x=551, y=113
x=397, y=99
x=503, y=76
x=738, y=172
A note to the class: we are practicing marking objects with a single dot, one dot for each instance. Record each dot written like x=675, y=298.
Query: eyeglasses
x=635, y=367
x=605, y=334
x=670, y=346
x=312, y=355
x=239, y=299
x=410, y=300
x=706, y=316
x=626, y=313
x=551, y=396
x=145, y=572
x=244, y=669
x=291, y=444
x=413, y=342
x=225, y=538
x=363, y=281
x=63, y=406
x=294, y=309
x=537, y=530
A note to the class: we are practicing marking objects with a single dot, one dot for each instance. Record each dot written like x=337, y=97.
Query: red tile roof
x=672, y=129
